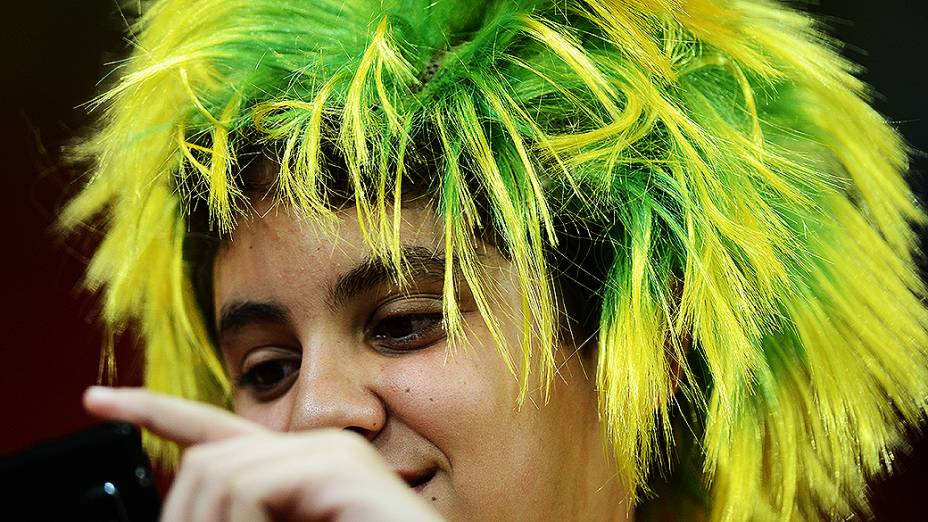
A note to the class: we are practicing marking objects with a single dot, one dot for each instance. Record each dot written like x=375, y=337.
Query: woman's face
x=315, y=333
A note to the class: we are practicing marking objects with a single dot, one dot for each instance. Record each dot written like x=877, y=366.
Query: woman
x=456, y=249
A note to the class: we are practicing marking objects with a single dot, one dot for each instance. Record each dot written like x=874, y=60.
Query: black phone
x=100, y=474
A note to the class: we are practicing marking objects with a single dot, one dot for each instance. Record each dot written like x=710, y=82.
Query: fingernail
x=99, y=393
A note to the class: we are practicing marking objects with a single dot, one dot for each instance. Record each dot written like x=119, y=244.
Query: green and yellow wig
x=747, y=201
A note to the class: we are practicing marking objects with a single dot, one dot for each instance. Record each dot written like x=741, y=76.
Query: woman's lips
x=417, y=480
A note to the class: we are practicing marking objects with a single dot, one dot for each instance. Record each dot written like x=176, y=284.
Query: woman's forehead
x=275, y=247
x=269, y=221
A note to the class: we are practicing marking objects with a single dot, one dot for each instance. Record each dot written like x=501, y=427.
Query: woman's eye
x=408, y=332
x=268, y=376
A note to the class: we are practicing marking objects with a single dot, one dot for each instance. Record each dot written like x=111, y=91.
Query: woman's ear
x=677, y=348
x=679, y=339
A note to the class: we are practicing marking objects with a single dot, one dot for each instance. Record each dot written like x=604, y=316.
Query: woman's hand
x=236, y=470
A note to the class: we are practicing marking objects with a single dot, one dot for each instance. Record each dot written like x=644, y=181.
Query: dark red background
x=55, y=52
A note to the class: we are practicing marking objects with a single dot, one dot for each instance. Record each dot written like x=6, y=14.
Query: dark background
x=54, y=55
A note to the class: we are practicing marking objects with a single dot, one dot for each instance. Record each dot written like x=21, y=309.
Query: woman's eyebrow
x=373, y=271
x=236, y=315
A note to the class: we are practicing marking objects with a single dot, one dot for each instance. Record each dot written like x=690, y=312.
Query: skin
x=346, y=401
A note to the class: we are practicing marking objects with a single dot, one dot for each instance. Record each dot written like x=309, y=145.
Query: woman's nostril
x=368, y=434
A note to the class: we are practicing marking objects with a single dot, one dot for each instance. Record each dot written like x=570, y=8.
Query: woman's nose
x=337, y=395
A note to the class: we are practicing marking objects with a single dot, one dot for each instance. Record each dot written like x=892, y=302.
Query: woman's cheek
x=274, y=415
x=446, y=396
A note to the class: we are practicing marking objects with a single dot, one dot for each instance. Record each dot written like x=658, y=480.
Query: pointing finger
x=180, y=420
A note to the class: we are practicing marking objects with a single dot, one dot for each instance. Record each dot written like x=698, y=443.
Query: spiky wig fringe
x=753, y=203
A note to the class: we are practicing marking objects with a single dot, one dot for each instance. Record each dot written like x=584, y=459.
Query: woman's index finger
x=180, y=420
